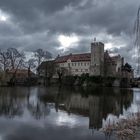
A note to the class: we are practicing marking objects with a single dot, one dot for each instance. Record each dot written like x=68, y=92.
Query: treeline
x=12, y=58
x=86, y=80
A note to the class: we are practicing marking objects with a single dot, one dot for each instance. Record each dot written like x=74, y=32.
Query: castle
x=96, y=63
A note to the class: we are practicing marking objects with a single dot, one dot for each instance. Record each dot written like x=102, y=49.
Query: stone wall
x=97, y=59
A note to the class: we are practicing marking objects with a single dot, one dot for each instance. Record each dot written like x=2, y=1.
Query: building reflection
x=93, y=103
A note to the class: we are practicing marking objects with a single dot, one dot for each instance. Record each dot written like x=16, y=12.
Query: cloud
x=33, y=24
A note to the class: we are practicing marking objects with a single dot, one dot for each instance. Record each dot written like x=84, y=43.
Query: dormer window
x=69, y=61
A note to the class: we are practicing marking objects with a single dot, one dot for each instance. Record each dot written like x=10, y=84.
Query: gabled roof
x=19, y=71
x=111, y=59
x=62, y=59
x=107, y=57
x=43, y=64
x=74, y=58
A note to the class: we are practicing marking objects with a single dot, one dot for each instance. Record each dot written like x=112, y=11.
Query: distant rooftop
x=97, y=43
x=83, y=57
x=73, y=57
x=19, y=71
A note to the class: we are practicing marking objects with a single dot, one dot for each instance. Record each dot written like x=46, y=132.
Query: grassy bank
x=124, y=129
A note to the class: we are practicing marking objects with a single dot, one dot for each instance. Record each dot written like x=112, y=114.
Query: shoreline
x=124, y=129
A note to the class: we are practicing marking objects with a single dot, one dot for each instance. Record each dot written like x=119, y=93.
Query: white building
x=96, y=63
x=76, y=64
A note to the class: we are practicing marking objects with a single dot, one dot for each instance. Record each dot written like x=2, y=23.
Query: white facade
x=76, y=68
x=96, y=63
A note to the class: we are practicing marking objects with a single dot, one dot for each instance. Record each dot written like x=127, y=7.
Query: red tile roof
x=74, y=58
x=19, y=71
x=85, y=57
x=62, y=59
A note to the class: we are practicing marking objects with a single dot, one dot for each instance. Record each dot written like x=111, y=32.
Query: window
x=78, y=64
x=85, y=63
x=81, y=63
x=76, y=70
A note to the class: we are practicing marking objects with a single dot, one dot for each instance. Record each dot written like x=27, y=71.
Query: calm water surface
x=40, y=113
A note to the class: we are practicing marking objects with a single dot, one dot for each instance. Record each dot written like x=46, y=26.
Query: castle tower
x=97, y=59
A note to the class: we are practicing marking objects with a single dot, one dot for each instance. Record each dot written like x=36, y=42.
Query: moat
x=38, y=113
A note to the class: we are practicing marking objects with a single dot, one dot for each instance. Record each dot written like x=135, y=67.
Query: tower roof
x=97, y=44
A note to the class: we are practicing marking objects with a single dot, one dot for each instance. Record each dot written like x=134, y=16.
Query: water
x=39, y=113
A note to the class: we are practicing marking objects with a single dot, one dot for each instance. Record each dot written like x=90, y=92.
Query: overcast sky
x=64, y=26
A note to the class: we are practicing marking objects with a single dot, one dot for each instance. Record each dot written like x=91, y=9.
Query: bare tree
x=15, y=57
x=16, y=60
x=41, y=55
x=4, y=60
x=49, y=70
x=61, y=72
x=13, y=78
x=30, y=64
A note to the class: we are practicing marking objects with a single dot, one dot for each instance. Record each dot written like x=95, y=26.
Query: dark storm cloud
x=31, y=13
x=27, y=8
x=36, y=24
x=71, y=15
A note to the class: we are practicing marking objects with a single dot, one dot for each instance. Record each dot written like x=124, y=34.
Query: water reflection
x=95, y=103
x=67, y=107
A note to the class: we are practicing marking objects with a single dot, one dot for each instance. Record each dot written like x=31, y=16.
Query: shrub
x=69, y=80
x=95, y=79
